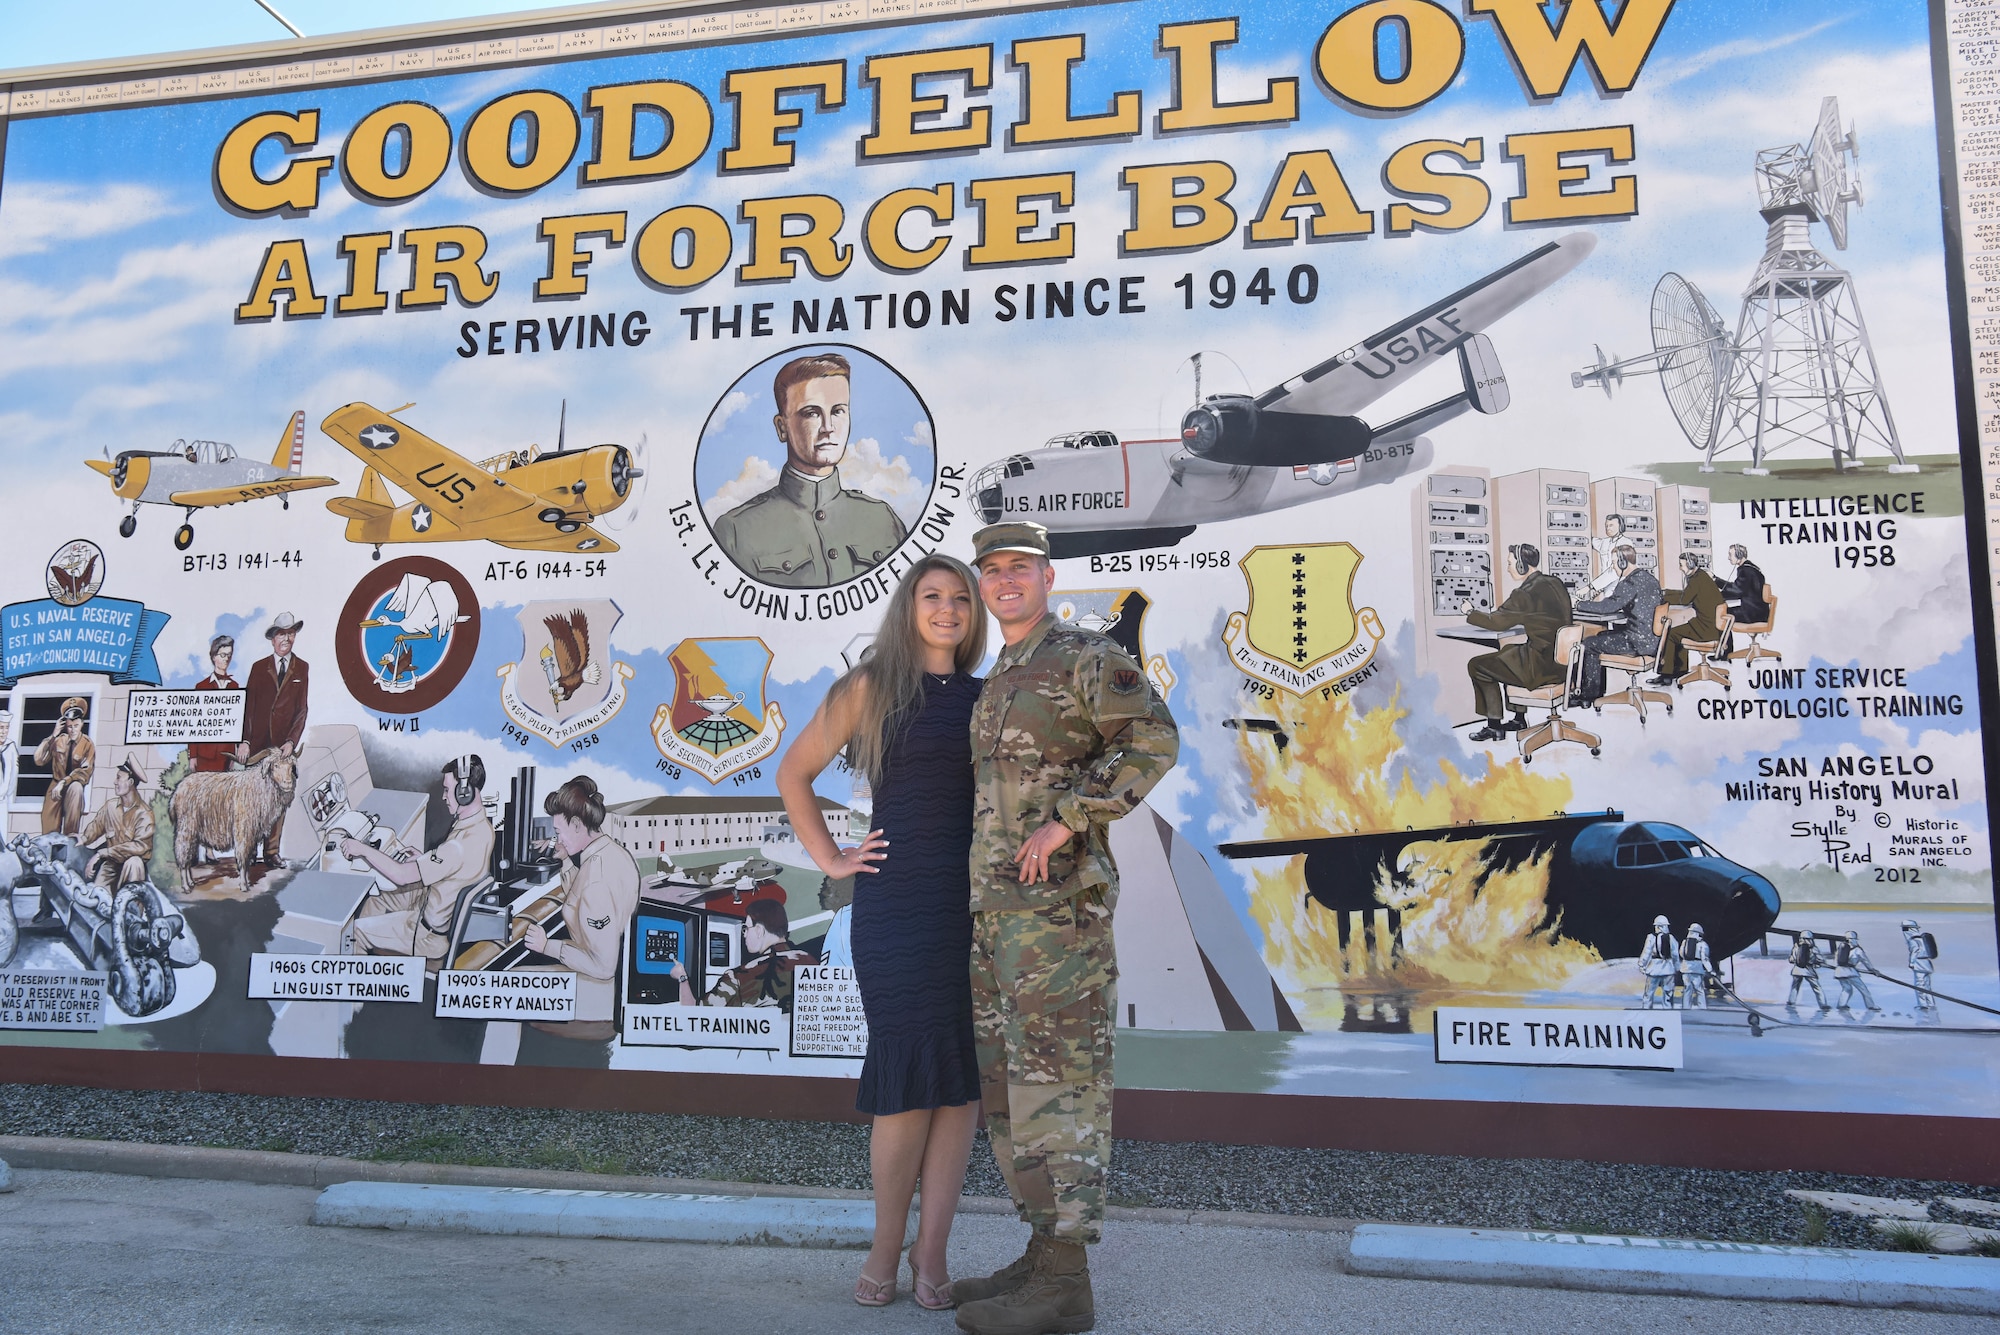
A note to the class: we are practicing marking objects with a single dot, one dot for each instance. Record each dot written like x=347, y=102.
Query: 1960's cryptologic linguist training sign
x=1510, y=437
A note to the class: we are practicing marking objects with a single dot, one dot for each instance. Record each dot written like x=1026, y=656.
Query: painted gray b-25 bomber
x=197, y=474
x=1299, y=441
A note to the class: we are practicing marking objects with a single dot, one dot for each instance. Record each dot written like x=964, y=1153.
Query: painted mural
x=1516, y=446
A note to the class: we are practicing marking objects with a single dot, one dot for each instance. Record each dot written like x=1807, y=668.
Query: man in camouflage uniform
x=1067, y=737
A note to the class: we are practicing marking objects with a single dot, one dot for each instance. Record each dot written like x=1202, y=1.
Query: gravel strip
x=1566, y=1195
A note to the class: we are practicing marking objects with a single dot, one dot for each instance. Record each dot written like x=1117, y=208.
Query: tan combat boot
x=1004, y=1280
x=1053, y=1299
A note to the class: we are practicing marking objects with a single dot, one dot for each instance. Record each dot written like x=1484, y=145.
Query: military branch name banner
x=1510, y=438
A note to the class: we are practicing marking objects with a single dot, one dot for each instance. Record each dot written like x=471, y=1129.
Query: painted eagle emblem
x=566, y=661
x=71, y=584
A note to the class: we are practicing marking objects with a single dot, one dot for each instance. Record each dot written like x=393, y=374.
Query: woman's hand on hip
x=859, y=857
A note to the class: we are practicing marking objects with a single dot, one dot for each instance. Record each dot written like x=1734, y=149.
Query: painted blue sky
x=119, y=273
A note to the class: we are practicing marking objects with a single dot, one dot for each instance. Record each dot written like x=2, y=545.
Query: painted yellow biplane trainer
x=524, y=499
x=196, y=474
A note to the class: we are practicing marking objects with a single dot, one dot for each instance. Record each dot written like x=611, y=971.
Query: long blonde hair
x=892, y=668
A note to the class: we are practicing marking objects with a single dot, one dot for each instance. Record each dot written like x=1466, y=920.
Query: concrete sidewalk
x=86, y=1252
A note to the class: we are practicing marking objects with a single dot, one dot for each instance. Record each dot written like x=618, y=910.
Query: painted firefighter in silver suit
x=1850, y=961
x=1660, y=961
x=1696, y=969
x=1806, y=961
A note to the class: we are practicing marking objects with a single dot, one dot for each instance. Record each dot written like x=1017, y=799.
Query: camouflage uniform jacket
x=808, y=533
x=765, y=979
x=1067, y=728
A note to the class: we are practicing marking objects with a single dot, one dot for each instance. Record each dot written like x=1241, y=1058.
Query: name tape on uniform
x=750, y=1028
x=35, y=1000
x=1648, y=1040
x=337, y=978
x=827, y=1019
x=511, y=994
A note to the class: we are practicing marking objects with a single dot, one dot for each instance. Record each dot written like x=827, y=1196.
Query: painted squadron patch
x=1302, y=631
x=1120, y=616
x=565, y=683
x=407, y=634
x=718, y=721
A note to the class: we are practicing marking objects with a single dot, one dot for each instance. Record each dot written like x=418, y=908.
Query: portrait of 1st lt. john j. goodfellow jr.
x=809, y=531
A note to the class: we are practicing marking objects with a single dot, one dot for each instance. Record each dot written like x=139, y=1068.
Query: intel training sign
x=1645, y=1040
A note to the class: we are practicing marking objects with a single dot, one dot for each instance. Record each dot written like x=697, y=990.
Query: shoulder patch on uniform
x=598, y=924
x=1125, y=681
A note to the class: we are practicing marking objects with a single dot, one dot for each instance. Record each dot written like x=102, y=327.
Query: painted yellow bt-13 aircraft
x=198, y=474
x=523, y=499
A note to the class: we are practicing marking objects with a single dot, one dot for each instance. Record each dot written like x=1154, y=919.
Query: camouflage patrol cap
x=1019, y=535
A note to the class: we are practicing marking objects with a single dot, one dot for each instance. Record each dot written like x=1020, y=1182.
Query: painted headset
x=463, y=789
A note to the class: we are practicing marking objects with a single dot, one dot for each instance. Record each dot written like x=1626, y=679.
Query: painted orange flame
x=1466, y=928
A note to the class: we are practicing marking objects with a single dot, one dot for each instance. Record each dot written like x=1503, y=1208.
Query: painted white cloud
x=42, y=215
x=885, y=478
x=732, y=403
x=758, y=475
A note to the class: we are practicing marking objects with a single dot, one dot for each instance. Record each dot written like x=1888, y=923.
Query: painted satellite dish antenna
x=1799, y=369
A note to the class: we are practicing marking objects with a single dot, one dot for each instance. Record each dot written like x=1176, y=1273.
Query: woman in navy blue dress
x=903, y=718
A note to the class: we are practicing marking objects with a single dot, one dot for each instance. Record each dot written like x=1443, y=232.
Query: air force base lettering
x=1644, y=1040
x=512, y=994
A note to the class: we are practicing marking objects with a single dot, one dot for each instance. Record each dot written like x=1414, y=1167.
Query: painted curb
x=643, y=1216
x=273, y=1168
x=1679, y=1267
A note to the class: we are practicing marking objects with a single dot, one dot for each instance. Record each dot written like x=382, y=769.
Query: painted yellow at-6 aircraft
x=524, y=499
x=202, y=473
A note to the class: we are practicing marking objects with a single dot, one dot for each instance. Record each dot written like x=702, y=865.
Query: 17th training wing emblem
x=718, y=721
x=565, y=684
x=1301, y=631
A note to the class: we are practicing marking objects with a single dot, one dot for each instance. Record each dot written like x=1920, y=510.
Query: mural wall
x=1517, y=448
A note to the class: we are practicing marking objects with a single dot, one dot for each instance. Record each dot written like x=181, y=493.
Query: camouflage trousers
x=1044, y=1007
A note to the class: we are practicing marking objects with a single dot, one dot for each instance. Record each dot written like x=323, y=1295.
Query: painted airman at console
x=809, y=532
x=414, y=918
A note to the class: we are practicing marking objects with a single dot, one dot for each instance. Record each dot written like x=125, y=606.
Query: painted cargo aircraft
x=1299, y=441
x=195, y=475
x=524, y=499
x=1607, y=877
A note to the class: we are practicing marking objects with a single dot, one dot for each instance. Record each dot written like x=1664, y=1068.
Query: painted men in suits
x=1633, y=598
x=1745, y=589
x=274, y=706
x=1539, y=604
x=1699, y=591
